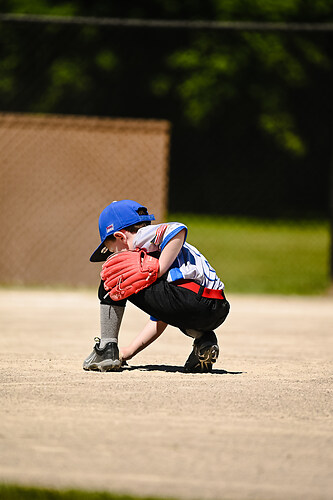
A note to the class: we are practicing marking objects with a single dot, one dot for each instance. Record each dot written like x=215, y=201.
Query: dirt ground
x=258, y=427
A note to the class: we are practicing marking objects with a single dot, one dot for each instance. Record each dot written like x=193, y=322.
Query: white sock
x=195, y=334
x=110, y=320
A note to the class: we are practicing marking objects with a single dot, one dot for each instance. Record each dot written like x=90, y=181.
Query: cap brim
x=100, y=254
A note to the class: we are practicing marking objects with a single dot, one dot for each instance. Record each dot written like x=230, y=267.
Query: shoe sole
x=104, y=366
x=206, y=358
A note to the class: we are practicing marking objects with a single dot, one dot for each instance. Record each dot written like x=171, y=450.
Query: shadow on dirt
x=175, y=369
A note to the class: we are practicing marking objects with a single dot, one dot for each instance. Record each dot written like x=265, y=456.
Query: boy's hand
x=128, y=272
x=125, y=354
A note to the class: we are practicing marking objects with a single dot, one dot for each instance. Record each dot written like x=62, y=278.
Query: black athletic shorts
x=176, y=306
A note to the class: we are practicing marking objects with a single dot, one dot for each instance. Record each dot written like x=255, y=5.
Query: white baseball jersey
x=189, y=264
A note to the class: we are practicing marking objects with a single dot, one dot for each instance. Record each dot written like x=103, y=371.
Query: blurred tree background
x=251, y=115
x=251, y=112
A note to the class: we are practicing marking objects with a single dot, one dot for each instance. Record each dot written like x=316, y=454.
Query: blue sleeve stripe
x=153, y=319
x=172, y=234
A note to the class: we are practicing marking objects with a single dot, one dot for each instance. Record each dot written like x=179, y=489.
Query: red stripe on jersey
x=158, y=238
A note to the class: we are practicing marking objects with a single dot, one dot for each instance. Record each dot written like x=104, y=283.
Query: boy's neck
x=130, y=239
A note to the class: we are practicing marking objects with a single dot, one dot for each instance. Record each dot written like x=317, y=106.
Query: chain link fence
x=57, y=174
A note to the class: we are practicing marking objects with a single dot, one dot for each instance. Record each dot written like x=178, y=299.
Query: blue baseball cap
x=118, y=215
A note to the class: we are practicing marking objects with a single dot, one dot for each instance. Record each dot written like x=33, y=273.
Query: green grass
x=11, y=492
x=254, y=256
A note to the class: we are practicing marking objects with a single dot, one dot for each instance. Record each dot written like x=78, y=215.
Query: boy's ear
x=119, y=235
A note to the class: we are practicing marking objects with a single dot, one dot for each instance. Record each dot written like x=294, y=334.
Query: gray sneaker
x=205, y=352
x=103, y=360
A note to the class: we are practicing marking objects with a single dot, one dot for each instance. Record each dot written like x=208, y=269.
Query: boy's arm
x=154, y=329
x=170, y=252
x=150, y=332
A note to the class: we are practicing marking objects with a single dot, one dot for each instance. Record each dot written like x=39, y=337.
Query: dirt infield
x=259, y=427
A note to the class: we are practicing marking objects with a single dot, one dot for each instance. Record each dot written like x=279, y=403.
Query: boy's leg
x=193, y=314
x=110, y=321
x=181, y=307
x=105, y=355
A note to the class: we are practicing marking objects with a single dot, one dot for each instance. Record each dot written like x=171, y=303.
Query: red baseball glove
x=128, y=272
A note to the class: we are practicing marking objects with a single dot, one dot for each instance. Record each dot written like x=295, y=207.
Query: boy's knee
x=104, y=297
